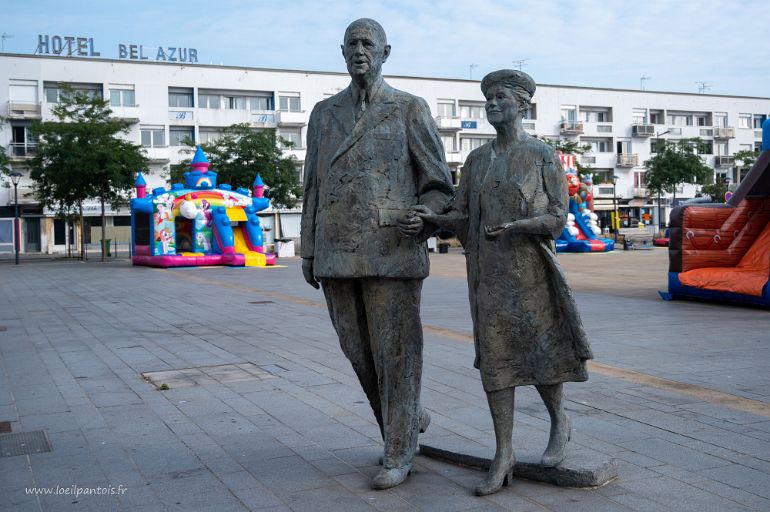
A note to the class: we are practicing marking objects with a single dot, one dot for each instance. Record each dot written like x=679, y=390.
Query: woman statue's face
x=502, y=105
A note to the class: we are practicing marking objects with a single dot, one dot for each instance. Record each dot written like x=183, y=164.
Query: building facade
x=170, y=102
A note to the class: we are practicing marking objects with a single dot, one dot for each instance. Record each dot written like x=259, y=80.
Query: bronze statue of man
x=373, y=152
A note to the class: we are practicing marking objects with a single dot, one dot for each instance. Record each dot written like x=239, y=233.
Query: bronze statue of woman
x=510, y=206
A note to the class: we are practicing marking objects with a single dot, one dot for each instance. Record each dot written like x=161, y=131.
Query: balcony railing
x=126, y=112
x=628, y=160
x=724, y=161
x=643, y=130
x=157, y=154
x=448, y=123
x=727, y=132
x=21, y=150
x=641, y=192
x=603, y=191
x=285, y=118
x=19, y=110
x=454, y=157
x=570, y=128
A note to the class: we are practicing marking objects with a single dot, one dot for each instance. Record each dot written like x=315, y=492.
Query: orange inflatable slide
x=748, y=277
x=721, y=252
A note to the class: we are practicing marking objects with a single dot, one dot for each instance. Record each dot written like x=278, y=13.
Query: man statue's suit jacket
x=361, y=176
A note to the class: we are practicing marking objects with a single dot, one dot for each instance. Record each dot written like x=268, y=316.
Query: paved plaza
x=263, y=412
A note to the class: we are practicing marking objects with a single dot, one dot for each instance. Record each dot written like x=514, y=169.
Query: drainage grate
x=261, y=302
x=5, y=427
x=24, y=443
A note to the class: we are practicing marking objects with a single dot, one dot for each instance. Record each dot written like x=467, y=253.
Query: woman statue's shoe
x=388, y=478
x=494, y=481
x=556, y=450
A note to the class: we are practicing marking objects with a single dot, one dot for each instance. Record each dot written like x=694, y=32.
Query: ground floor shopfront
x=42, y=232
x=632, y=213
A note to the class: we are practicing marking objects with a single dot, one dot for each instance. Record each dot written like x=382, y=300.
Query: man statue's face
x=364, y=51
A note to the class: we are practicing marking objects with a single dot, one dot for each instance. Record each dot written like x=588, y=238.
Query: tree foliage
x=241, y=153
x=81, y=155
x=676, y=163
x=716, y=190
x=574, y=148
x=748, y=156
x=5, y=161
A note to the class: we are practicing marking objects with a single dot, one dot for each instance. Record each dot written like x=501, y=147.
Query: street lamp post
x=15, y=178
x=661, y=221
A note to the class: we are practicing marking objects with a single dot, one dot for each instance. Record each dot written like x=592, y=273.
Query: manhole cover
x=24, y=443
x=224, y=374
x=3, y=328
x=5, y=427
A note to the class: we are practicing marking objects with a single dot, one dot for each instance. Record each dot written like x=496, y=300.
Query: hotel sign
x=85, y=47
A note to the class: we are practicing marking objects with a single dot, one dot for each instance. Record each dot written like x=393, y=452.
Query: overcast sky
x=597, y=43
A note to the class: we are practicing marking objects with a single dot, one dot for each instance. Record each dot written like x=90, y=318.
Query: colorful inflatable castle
x=582, y=229
x=722, y=251
x=198, y=223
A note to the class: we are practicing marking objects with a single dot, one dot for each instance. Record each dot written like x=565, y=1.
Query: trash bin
x=443, y=248
x=106, y=245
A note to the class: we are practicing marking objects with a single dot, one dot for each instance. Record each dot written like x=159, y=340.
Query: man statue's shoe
x=388, y=478
x=424, y=420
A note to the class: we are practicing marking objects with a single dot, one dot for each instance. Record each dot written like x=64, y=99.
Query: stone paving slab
x=274, y=418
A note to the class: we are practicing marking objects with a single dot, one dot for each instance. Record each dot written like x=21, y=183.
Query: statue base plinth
x=581, y=467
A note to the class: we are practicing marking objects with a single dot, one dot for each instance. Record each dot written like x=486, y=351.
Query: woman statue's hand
x=424, y=212
x=493, y=232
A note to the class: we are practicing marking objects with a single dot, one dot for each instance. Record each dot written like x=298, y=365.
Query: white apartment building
x=172, y=101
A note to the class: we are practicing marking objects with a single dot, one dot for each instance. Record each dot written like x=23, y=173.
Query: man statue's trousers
x=378, y=323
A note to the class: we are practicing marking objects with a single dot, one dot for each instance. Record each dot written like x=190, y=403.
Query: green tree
x=676, y=163
x=575, y=148
x=82, y=156
x=5, y=161
x=748, y=157
x=716, y=190
x=240, y=153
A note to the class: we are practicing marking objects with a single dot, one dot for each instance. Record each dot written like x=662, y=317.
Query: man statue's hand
x=409, y=224
x=307, y=271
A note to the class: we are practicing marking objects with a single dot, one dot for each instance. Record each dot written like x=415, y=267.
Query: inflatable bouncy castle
x=581, y=233
x=721, y=252
x=198, y=223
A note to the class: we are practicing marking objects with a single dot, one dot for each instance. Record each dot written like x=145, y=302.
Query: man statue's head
x=365, y=50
